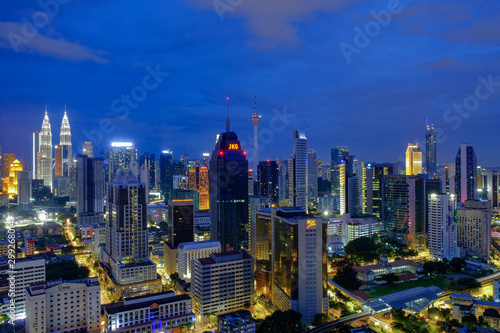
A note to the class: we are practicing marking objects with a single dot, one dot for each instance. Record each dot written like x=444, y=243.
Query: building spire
x=255, y=101
x=45, y=109
x=64, y=109
x=227, y=119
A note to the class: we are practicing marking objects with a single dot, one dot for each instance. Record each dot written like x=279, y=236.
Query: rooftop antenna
x=227, y=119
x=255, y=92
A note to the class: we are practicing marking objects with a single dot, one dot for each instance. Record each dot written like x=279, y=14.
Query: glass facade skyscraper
x=430, y=151
x=466, y=173
x=228, y=188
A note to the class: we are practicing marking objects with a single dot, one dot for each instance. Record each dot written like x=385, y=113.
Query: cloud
x=20, y=38
x=442, y=64
x=270, y=20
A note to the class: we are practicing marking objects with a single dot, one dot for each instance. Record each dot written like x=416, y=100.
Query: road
x=328, y=326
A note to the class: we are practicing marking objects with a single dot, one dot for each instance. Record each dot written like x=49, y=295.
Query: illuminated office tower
x=319, y=168
x=251, y=182
x=228, y=186
x=65, y=158
x=371, y=187
x=337, y=155
x=46, y=152
x=198, y=181
x=283, y=182
x=413, y=160
x=255, y=121
x=7, y=160
x=312, y=176
x=166, y=173
x=255, y=205
x=119, y=157
x=148, y=160
x=298, y=172
x=298, y=262
x=180, y=221
x=206, y=158
x=490, y=185
x=24, y=190
x=36, y=154
x=349, y=197
x=88, y=149
x=267, y=174
x=430, y=151
x=466, y=173
x=126, y=253
x=474, y=228
x=10, y=183
x=90, y=190
x=443, y=228
x=405, y=207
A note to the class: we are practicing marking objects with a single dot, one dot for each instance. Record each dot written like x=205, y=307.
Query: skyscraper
x=24, y=191
x=65, y=140
x=180, y=221
x=268, y=180
x=36, y=154
x=166, y=173
x=255, y=121
x=88, y=149
x=198, y=180
x=90, y=190
x=466, y=173
x=338, y=153
x=46, y=152
x=297, y=171
x=413, y=160
x=443, y=227
x=349, y=195
x=126, y=254
x=228, y=186
x=430, y=151
x=474, y=228
x=10, y=183
x=371, y=187
x=298, y=262
x=312, y=176
x=119, y=157
x=283, y=182
x=149, y=160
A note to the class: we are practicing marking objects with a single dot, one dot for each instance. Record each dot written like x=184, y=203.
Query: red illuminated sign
x=233, y=146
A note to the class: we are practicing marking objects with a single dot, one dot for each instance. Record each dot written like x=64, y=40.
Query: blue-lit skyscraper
x=430, y=151
x=466, y=173
x=166, y=173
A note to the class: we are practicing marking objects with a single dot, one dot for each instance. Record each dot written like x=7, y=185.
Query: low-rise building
x=68, y=306
x=371, y=272
x=236, y=322
x=150, y=313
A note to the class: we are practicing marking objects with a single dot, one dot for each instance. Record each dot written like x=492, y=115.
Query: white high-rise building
x=59, y=306
x=443, y=228
x=222, y=282
x=189, y=251
x=474, y=228
x=126, y=253
x=88, y=149
x=27, y=271
x=45, y=158
x=297, y=171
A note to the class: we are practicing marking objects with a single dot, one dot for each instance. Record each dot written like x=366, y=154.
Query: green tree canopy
x=391, y=278
x=66, y=270
x=408, y=323
x=347, y=277
x=361, y=249
x=282, y=322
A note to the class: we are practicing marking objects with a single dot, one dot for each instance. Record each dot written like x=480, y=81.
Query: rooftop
x=151, y=299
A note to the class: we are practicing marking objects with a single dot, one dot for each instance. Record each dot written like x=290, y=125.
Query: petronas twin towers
x=43, y=154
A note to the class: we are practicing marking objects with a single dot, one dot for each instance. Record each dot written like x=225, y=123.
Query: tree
x=67, y=249
x=347, y=277
x=408, y=323
x=163, y=225
x=465, y=284
x=361, y=249
x=390, y=278
x=282, y=322
x=469, y=320
x=457, y=264
x=174, y=277
x=65, y=270
x=319, y=319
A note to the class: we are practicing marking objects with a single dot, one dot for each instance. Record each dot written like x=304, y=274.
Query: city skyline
x=185, y=110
